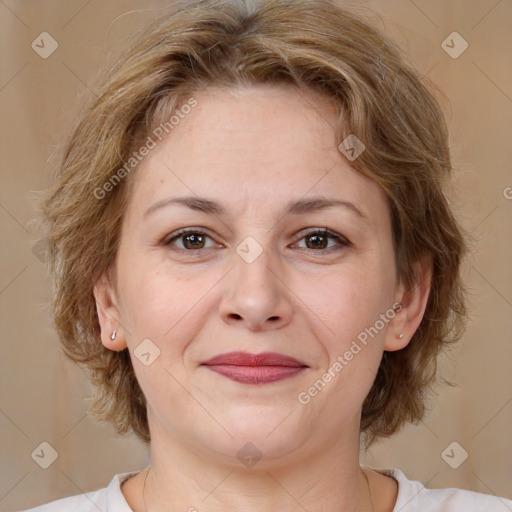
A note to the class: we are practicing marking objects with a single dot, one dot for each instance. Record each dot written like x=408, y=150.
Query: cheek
x=161, y=309
x=162, y=304
x=348, y=304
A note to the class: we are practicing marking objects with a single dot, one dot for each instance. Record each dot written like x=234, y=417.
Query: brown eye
x=193, y=241
x=316, y=241
x=188, y=240
x=323, y=240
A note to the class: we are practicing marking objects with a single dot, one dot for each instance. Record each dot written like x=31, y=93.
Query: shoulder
x=103, y=500
x=89, y=502
x=413, y=496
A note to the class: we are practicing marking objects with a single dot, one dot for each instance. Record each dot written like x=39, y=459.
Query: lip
x=255, y=368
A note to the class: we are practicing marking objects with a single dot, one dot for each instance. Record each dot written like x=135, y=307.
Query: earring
x=401, y=335
x=113, y=335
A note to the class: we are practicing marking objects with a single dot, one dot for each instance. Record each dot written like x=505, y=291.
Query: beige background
x=43, y=396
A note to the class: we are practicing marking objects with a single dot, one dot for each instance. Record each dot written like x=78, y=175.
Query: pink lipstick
x=255, y=368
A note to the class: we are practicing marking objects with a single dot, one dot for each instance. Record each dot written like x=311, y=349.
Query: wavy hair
x=312, y=45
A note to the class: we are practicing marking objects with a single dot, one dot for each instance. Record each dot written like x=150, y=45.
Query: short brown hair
x=312, y=45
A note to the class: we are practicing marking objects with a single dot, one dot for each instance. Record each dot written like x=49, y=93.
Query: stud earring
x=113, y=335
x=401, y=335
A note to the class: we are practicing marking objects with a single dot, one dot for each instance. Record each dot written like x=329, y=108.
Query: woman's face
x=254, y=175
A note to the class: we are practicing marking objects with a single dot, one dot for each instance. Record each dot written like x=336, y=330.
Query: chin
x=256, y=431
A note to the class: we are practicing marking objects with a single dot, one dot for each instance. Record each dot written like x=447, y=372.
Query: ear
x=108, y=315
x=412, y=307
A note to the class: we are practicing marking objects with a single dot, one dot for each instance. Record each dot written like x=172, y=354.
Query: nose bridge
x=256, y=295
x=255, y=269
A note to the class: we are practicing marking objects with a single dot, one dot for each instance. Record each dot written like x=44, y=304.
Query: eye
x=319, y=240
x=190, y=239
x=194, y=239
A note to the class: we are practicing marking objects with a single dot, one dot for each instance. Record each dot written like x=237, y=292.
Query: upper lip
x=247, y=359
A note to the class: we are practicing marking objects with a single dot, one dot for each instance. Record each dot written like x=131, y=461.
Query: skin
x=253, y=150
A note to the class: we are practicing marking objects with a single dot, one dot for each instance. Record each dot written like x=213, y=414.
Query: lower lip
x=256, y=374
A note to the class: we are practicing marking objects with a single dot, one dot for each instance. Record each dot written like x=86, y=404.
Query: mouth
x=255, y=368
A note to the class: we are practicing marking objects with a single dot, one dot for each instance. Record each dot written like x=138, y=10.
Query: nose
x=256, y=296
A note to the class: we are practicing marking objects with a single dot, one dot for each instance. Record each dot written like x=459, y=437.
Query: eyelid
x=167, y=240
x=341, y=240
x=323, y=231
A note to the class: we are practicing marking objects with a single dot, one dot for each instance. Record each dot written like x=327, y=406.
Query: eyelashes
x=324, y=235
x=195, y=240
x=194, y=235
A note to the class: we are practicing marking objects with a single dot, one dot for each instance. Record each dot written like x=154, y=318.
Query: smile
x=255, y=368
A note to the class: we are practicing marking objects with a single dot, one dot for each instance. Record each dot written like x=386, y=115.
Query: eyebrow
x=299, y=207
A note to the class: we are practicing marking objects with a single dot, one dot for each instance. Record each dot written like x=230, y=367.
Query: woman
x=254, y=258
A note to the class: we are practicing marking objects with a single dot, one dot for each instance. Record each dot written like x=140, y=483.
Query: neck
x=183, y=478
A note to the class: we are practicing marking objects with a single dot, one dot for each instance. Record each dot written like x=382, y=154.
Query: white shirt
x=412, y=497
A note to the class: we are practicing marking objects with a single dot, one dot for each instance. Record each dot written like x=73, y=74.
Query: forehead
x=261, y=143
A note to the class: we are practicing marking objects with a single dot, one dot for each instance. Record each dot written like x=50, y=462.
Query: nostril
x=235, y=316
